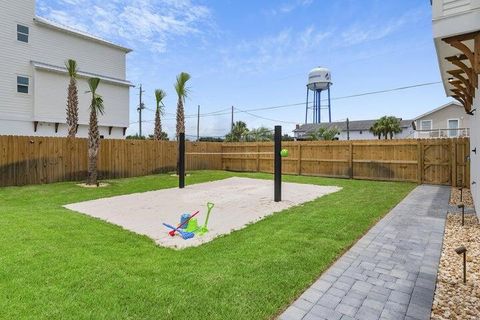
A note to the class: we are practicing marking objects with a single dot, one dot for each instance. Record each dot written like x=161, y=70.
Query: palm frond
x=159, y=96
x=72, y=69
x=93, y=84
x=181, y=85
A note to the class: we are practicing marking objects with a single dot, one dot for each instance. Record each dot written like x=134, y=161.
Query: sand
x=238, y=202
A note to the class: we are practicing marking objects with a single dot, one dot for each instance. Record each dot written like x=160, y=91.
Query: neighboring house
x=456, y=32
x=34, y=80
x=355, y=130
x=447, y=121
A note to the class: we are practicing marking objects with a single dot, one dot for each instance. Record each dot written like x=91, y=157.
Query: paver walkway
x=388, y=274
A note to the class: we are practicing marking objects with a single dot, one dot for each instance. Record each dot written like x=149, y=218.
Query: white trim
x=53, y=25
x=426, y=120
x=63, y=70
x=438, y=109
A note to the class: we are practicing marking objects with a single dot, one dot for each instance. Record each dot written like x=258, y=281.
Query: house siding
x=439, y=118
x=46, y=100
x=475, y=157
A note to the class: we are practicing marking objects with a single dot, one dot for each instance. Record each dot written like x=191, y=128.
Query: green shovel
x=203, y=229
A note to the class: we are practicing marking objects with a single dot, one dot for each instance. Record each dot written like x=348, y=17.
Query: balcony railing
x=442, y=133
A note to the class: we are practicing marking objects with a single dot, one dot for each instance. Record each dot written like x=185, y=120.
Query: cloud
x=150, y=23
x=288, y=7
x=364, y=32
x=273, y=52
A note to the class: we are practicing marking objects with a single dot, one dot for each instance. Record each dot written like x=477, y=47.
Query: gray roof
x=356, y=125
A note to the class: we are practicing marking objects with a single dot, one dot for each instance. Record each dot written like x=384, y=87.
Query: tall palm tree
x=159, y=96
x=72, y=98
x=324, y=133
x=182, y=92
x=377, y=129
x=394, y=126
x=387, y=126
x=96, y=107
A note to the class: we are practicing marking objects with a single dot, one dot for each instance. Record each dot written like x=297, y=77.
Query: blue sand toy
x=185, y=235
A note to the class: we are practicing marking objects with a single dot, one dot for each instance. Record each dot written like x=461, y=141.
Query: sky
x=257, y=54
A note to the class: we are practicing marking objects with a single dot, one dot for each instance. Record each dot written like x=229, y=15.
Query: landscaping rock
x=454, y=299
x=466, y=198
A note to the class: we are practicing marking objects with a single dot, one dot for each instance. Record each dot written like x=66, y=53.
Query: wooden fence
x=432, y=161
x=36, y=160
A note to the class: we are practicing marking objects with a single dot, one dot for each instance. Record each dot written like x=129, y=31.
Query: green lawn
x=56, y=264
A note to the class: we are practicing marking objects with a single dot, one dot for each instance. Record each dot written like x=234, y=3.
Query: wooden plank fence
x=431, y=161
x=36, y=160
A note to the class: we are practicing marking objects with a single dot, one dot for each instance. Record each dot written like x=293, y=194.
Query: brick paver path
x=388, y=274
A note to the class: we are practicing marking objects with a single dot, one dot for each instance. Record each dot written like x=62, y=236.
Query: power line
x=227, y=111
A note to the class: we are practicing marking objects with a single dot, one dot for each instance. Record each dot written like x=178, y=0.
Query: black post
x=181, y=160
x=465, y=267
x=278, y=164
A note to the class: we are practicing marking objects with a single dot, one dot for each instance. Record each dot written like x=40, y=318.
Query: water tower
x=319, y=79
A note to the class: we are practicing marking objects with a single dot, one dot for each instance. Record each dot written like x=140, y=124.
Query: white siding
x=46, y=100
x=475, y=157
x=445, y=8
x=51, y=96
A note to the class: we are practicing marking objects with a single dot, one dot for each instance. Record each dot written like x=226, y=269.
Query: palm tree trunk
x=158, y=126
x=72, y=108
x=93, y=148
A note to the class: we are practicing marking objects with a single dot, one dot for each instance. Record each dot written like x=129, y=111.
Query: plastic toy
x=203, y=229
x=192, y=226
x=172, y=233
x=185, y=235
x=284, y=153
x=184, y=217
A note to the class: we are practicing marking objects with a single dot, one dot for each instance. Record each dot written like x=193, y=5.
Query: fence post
x=453, y=162
x=350, y=160
x=258, y=157
x=278, y=164
x=181, y=160
x=420, y=161
x=299, y=159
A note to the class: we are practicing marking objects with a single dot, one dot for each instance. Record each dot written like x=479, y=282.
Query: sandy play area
x=238, y=202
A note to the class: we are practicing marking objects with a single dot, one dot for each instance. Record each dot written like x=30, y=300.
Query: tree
x=386, y=126
x=72, y=98
x=159, y=96
x=96, y=107
x=182, y=92
x=260, y=134
x=286, y=137
x=239, y=132
x=324, y=133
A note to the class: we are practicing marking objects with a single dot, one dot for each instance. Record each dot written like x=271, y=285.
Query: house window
x=453, y=127
x=22, y=84
x=426, y=125
x=22, y=33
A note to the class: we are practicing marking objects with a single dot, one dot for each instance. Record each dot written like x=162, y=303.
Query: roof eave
x=50, y=24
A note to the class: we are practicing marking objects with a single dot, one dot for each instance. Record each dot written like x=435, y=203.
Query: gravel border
x=454, y=299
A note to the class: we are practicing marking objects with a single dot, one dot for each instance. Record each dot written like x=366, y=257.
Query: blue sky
x=253, y=54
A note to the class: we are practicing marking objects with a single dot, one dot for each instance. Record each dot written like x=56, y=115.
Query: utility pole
x=348, y=129
x=198, y=124
x=141, y=106
x=232, y=120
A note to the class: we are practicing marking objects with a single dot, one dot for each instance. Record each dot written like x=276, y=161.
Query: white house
x=34, y=81
x=353, y=130
x=456, y=33
x=446, y=121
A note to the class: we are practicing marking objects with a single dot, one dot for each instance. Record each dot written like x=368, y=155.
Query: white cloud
x=273, y=52
x=288, y=7
x=151, y=23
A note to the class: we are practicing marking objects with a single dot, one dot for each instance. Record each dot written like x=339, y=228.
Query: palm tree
x=182, y=92
x=239, y=132
x=72, y=98
x=159, y=96
x=96, y=106
x=260, y=134
x=324, y=133
x=386, y=126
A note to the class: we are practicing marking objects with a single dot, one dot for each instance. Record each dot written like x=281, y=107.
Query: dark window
x=22, y=84
x=22, y=33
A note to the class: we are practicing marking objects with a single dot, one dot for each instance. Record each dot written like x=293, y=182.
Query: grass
x=56, y=264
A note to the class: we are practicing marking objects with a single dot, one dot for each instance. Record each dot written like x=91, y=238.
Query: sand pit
x=238, y=202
